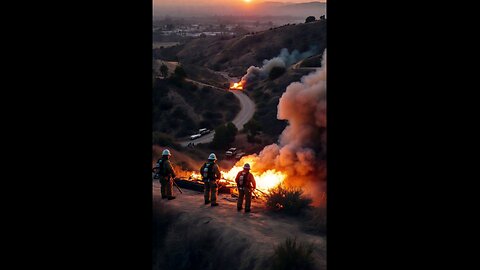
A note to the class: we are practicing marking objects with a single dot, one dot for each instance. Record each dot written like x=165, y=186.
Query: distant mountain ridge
x=263, y=8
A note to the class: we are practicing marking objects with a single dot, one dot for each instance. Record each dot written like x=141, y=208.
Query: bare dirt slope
x=251, y=235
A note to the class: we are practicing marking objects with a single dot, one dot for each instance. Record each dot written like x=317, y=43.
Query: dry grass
x=316, y=220
x=190, y=244
x=293, y=255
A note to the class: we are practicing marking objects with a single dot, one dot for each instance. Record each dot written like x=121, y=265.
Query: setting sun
x=247, y=1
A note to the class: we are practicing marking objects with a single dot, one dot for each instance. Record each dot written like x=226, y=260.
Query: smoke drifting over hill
x=301, y=151
x=283, y=60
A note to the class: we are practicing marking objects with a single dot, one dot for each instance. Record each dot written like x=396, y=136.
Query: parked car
x=239, y=155
x=231, y=152
x=196, y=136
x=203, y=131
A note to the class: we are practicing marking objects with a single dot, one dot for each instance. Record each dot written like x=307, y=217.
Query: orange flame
x=237, y=86
x=265, y=180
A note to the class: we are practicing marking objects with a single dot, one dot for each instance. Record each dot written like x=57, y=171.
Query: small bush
x=290, y=255
x=287, y=200
x=224, y=136
x=164, y=70
x=180, y=72
x=310, y=19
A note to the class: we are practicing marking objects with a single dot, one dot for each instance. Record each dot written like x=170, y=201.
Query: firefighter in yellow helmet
x=165, y=174
x=246, y=185
x=210, y=174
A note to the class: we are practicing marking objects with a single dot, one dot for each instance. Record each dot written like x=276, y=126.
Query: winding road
x=246, y=112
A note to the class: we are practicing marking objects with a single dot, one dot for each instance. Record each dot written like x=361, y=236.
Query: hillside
x=235, y=55
x=180, y=108
x=190, y=235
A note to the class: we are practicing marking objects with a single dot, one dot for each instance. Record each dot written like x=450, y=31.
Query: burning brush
x=237, y=86
x=265, y=180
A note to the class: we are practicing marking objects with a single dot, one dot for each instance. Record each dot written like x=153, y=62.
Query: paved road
x=246, y=113
x=247, y=105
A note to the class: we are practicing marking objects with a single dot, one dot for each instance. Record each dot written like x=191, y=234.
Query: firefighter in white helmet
x=246, y=185
x=210, y=175
x=165, y=173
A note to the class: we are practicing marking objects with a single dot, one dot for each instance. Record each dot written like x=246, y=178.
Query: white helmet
x=166, y=152
x=212, y=157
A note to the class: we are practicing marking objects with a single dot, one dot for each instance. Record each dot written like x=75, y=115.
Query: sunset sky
x=227, y=7
x=221, y=2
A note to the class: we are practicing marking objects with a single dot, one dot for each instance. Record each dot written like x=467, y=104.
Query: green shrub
x=164, y=70
x=310, y=19
x=180, y=72
x=224, y=136
x=287, y=200
x=291, y=255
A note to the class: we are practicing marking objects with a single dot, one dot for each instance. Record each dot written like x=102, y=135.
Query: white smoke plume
x=301, y=151
x=283, y=60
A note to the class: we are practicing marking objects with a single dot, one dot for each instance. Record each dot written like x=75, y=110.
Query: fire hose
x=261, y=191
x=253, y=191
x=175, y=183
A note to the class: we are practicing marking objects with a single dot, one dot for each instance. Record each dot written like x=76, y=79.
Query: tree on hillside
x=231, y=132
x=252, y=128
x=310, y=19
x=224, y=136
x=164, y=70
x=180, y=72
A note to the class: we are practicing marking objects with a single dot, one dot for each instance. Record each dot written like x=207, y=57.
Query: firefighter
x=165, y=174
x=246, y=185
x=210, y=174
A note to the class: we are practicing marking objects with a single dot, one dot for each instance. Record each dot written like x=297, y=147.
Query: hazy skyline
x=221, y=2
x=236, y=8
